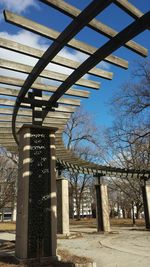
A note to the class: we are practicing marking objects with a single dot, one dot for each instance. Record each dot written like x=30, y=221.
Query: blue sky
x=97, y=104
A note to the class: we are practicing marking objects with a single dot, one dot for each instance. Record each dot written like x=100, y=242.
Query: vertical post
x=146, y=202
x=36, y=201
x=102, y=208
x=36, y=111
x=62, y=206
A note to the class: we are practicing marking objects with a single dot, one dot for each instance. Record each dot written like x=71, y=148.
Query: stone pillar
x=146, y=202
x=62, y=206
x=36, y=201
x=102, y=207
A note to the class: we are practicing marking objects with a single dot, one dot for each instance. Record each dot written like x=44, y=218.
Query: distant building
x=8, y=210
x=8, y=174
x=85, y=205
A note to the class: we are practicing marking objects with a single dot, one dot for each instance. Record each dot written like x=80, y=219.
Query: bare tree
x=80, y=130
x=128, y=141
x=128, y=152
x=81, y=136
x=133, y=103
x=8, y=177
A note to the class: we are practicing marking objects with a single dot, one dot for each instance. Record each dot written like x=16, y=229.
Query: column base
x=35, y=262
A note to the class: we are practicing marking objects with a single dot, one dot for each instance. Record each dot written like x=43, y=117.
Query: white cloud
x=104, y=65
x=76, y=55
x=18, y=6
x=25, y=37
x=33, y=40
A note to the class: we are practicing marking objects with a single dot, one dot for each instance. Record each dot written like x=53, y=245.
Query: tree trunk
x=78, y=202
x=138, y=208
x=78, y=212
x=133, y=215
x=71, y=203
x=124, y=213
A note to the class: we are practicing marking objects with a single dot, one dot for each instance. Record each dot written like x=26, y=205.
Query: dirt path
x=124, y=247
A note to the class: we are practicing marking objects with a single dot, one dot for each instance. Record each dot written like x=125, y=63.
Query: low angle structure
x=34, y=115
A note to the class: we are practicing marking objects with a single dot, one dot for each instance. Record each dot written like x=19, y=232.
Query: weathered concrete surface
x=102, y=206
x=123, y=247
x=62, y=206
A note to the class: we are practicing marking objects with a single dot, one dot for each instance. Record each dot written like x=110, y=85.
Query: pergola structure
x=56, y=109
x=36, y=105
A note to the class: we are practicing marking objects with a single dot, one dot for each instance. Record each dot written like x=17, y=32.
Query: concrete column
x=36, y=201
x=102, y=207
x=62, y=206
x=146, y=202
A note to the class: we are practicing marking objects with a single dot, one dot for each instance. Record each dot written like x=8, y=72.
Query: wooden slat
x=129, y=8
x=7, y=102
x=10, y=147
x=51, y=34
x=6, y=136
x=12, y=65
x=44, y=87
x=14, y=93
x=7, y=141
x=37, y=53
x=11, y=103
x=97, y=25
x=62, y=108
x=51, y=114
x=6, y=125
x=8, y=118
x=6, y=130
x=9, y=92
x=5, y=118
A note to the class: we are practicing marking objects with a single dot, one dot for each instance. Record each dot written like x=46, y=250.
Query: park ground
x=124, y=246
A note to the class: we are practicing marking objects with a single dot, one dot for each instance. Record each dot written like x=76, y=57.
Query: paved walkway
x=124, y=247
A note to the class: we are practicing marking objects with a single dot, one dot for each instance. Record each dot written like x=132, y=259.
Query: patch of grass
x=83, y=221
x=90, y=222
x=9, y=261
x=7, y=226
x=3, y=264
x=66, y=256
x=126, y=222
